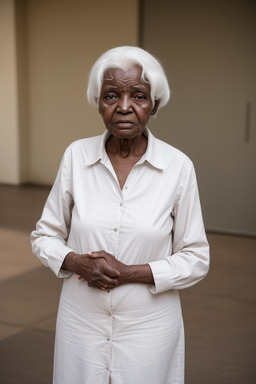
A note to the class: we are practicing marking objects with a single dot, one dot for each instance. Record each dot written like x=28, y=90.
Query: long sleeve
x=189, y=262
x=49, y=240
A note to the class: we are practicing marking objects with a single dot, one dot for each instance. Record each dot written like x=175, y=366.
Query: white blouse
x=133, y=334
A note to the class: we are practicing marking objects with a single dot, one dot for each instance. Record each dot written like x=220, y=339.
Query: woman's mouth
x=124, y=124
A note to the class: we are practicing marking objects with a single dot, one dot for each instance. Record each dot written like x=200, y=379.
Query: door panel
x=208, y=50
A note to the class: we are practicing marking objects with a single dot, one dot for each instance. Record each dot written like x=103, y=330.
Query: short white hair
x=124, y=57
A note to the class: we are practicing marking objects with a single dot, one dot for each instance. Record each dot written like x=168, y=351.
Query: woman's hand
x=123, y=269
x=127, y=273
x=94, y=268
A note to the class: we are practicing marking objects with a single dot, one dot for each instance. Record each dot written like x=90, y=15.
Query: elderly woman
x=123, y=227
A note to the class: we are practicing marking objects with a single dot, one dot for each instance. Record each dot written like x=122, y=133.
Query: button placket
x=114, y=237
x=114, y=228
x=111, y=324
x=109, y=339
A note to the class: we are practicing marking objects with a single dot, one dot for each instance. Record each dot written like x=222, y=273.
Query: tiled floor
x=219, y=313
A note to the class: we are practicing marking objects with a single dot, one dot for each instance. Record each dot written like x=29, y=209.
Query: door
x=208, y=49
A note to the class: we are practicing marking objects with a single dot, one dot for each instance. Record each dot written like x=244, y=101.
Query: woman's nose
x=124, y=104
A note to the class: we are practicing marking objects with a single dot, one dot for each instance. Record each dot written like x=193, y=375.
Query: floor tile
x=47, y=325
x=7, y=330
x=16, y=256
x=30, y=297
x=26, y=358
x=220, y=339
x=21, y=206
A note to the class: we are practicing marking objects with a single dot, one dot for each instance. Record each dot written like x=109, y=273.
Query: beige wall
x=9, y=135
x=57, y=42
x=65, y=38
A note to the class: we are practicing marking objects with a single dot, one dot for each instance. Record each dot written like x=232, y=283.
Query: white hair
x=124, y=57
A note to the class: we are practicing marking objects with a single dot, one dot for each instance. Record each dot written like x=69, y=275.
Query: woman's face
x=125, y=104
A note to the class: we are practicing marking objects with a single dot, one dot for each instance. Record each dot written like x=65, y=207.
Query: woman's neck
x=127, y=147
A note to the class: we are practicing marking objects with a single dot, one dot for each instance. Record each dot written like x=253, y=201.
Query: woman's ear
x=155, y=109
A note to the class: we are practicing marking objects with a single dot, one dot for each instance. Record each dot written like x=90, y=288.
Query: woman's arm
x=49, y=239
x=189, y=261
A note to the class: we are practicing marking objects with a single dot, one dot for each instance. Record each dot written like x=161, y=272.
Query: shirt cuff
x=161, y=274
x=56, y=262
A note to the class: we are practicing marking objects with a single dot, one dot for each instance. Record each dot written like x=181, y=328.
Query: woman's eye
x=110, y=96
x=140, y=97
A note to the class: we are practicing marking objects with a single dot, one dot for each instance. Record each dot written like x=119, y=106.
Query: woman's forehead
x=133, y=71
x=128, y=77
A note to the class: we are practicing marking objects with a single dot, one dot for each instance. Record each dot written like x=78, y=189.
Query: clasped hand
x=100, y=269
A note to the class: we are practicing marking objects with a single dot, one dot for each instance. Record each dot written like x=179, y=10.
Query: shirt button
x=108, y=338
x=121, y=204
x=115, y=229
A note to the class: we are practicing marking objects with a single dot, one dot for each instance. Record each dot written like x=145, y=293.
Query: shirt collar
x=152, y=155
x=97, y=151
